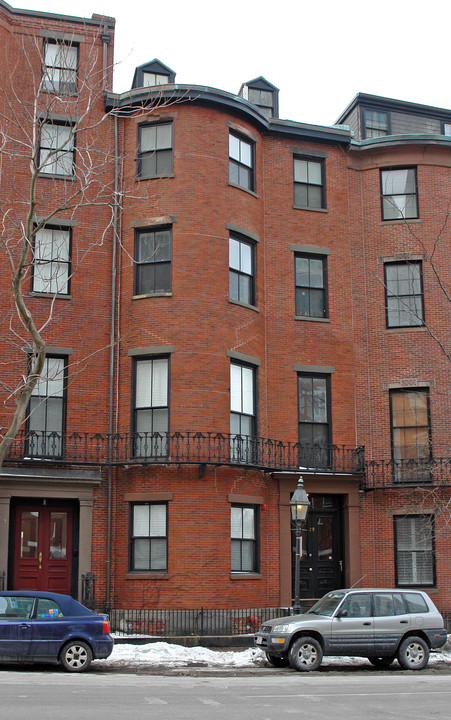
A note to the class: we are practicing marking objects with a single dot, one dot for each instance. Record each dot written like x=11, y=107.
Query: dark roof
x=94, y=20
x=380, y=102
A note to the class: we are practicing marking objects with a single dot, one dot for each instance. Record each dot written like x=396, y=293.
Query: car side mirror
x=342, y=613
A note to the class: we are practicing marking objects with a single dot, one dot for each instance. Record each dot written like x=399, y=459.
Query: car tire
x=306, y=654
x=277, y=660
x=76, y=656
x=413, y=653
x=382, y=662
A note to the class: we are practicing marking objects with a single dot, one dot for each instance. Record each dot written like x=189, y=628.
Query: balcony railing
x=187, y=447
x=398, y=473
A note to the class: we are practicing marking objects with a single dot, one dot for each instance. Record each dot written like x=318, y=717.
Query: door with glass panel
x=43, y=548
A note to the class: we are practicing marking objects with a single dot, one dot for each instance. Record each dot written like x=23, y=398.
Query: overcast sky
x=319, y=54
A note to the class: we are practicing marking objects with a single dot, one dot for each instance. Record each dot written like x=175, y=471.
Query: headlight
x=281, y=628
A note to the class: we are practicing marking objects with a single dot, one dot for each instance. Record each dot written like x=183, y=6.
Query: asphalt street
x=339, y=695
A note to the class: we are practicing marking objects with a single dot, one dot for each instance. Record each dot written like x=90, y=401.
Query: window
x=241, y=271
x=56, y=152
x=263, y=99
x=150, y=79
x=244, y=538
x=411, y=436
x=153, y=261
x=446, y=129
x=309, y=185
x=51, y=260
x=241, y=162
x=414, y=550
x=47, y=410
x=314, y=422
x=60, y=68
x=399, y=194
x=151, y=406
x=242, y=412
x=376, y=123
x=155, y=150
x=311, y=284
x=404, y=294
x=148, y=537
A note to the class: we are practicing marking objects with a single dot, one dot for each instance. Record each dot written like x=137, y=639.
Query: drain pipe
x=111, y=368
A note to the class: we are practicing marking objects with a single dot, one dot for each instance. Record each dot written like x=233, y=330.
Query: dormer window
x=263, y=99
x=150, y=79
x=152, y=74
x=376, y=123
x=263, y=94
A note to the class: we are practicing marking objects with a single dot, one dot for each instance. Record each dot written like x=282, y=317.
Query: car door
x=391, y=621
x=352, y=626
x=49, y=630
x=15, y=626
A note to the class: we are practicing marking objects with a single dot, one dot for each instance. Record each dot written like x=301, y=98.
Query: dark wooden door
x=43, y=548
x=321, y=563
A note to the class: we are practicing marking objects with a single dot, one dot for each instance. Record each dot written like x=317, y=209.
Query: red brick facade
x=186, y=467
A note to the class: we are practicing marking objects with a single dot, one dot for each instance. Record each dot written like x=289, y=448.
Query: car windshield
x=327, y=605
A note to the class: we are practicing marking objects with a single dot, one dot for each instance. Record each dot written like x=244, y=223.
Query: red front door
x=43, y=548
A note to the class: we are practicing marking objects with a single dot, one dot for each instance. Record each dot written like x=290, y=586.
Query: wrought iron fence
x=2, y=580
x=187, y=447
x=182, y=623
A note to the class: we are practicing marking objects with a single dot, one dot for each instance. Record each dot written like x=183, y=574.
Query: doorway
x=321, y=567
x=44, y=549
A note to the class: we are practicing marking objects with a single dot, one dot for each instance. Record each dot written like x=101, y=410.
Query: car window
x=327, y=605
x=12, y=606
x=48, y=609
x=415, y=603
x=357, y=605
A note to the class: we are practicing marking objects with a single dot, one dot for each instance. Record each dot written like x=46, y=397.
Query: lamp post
x=299, y=505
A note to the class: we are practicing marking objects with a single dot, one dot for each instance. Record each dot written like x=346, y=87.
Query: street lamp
x=299, y=505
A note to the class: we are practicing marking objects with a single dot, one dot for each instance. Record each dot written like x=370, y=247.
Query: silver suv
x=378, y=624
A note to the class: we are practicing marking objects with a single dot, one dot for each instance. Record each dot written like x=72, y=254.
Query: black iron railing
x=186, y=447
x=180, y=623
x=396, y=473
x=88, y=590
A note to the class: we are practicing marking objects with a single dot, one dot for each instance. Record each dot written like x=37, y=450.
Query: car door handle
x=367, y=623
x=403, y=622
x=25, y=626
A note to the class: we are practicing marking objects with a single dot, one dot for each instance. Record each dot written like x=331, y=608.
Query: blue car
x=48, y=627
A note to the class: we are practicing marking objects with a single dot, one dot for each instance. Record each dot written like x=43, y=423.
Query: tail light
x=106, y=626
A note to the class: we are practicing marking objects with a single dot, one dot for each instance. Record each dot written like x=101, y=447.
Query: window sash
x=46, y=409
x=148, y=537
x=61, y=65
x=308, y=176
x=51, y=261
x=404, y=294
x=155, y=152
x=310, y=286
x=399, y=194
x=153, y=260
x=241, y=271
x=414, y=550
x=243, y=523
x=56, y=152
x=241, y=162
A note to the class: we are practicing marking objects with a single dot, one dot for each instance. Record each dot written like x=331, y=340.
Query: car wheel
x=413, y=653
x=382, y=662
x=76, y=656
x=277, y=661
x=305, y=654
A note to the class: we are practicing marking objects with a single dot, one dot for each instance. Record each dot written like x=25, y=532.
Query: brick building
x=276, y=294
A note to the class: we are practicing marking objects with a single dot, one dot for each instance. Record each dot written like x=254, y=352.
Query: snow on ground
x=173, y=656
